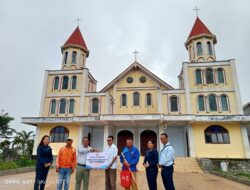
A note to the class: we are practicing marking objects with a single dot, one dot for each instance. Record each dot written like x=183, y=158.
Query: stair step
x=182, y=164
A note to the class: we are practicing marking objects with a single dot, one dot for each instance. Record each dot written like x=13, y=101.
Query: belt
x=162, y=166
x=83, y=165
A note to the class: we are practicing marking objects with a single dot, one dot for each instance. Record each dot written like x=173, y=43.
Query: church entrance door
x=145, y=137
x=121, y=139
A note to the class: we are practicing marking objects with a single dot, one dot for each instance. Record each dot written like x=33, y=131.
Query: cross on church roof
x=78, y=20
x=196, y=9
x=135, y=52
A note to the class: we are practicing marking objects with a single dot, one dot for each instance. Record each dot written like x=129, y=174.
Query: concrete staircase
x=182, y=164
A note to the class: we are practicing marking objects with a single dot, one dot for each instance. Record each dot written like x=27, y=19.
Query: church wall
x=166, y=103
x=233, y=109
x=47, y=104
x=233, y=150
x=130, y=108
x=214, y=65
x=68, y=91
x=88, y=104
x=73, y=133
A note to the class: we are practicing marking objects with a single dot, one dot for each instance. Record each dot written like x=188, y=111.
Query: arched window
x=221, y=75
x=216, y=134
x=59, y=134
x=209, y=48
x=65, y=57
x=65, y=82
x=212, y=103
x=148, y=99
x=53, y=106
x=224, y=102
x=201, y=104
x=124, y=100
x=199, y=48
x=95, y=105
x=56, y=83
x=209, y=76
x=174, y=104
x=136, y=97
x=62, y=108
x=74, y=57
x=198, y=76
x=74, y=82
x=71, y=106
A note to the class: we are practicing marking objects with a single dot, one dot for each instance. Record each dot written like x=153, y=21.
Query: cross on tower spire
x=196, y=9
x=135, y=52
x=78, y=20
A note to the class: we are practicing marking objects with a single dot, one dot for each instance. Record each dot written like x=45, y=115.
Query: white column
x=245, y=140
x=161, y=130
x=36, y=140
x=45, y=83
x=83, y=90
x=191, y=141
x=159, y=101
x=236, y=87
x=80, y=135
x=105, y=135
x=187, y=90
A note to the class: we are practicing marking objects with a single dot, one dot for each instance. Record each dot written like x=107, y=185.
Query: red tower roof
x=76, y=39
x=199, y=28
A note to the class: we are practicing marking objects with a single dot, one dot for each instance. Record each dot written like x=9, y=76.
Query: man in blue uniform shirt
x=132, y=156
x=166, y=163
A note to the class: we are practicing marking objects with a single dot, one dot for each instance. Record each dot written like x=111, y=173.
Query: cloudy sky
x=32, y=32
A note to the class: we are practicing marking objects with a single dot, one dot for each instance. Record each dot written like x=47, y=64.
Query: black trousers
x=167, y=177
x=151, y=177
x=41, y=176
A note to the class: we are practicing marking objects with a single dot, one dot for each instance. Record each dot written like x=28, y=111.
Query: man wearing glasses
x=110, y=172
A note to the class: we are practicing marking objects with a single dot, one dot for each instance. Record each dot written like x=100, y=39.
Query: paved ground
x=183, y=181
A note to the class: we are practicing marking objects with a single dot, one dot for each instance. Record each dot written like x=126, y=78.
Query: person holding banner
x=82, y=173
x=166, y=163
x=110, y=172
x=129, y=158
x=150, y=163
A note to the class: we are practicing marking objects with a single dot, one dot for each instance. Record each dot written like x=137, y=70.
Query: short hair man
x=65, y=164
x=82, y=173
x=132, y=156
x=166, y=162
x=110, y=172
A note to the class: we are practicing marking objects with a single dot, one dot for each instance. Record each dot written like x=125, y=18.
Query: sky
x=32, y=32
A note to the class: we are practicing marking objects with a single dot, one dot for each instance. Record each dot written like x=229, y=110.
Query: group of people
x=70, y=160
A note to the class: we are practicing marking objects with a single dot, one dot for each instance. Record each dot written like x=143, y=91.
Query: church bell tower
x=200, y=43
x=74, y=52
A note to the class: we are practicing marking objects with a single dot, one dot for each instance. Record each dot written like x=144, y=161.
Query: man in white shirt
x=110, y=172
x=82, y=173
x=166, y=163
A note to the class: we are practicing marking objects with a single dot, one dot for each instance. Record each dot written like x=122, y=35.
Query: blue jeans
x=63, y=176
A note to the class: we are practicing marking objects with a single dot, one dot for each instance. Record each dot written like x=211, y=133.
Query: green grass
x=7, y=165
x=240, y=174
x=245, y=175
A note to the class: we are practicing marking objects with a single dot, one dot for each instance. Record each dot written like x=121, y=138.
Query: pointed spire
x=76, y=39
x=199, y=28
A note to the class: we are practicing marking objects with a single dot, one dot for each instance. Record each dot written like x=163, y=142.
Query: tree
x=24, y=140
x=5, y=130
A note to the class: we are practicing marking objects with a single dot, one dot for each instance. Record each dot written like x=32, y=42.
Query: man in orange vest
x=65, y=164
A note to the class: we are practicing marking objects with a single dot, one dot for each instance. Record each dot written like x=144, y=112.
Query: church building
x=203, y=117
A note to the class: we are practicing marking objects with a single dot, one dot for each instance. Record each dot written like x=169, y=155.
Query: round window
x=130, y=80
x=143, y=79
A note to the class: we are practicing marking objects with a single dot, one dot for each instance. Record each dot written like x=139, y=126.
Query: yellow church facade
x=203, y=117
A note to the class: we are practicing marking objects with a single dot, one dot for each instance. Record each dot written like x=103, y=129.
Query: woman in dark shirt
x=43, y=163
x=150, y=163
